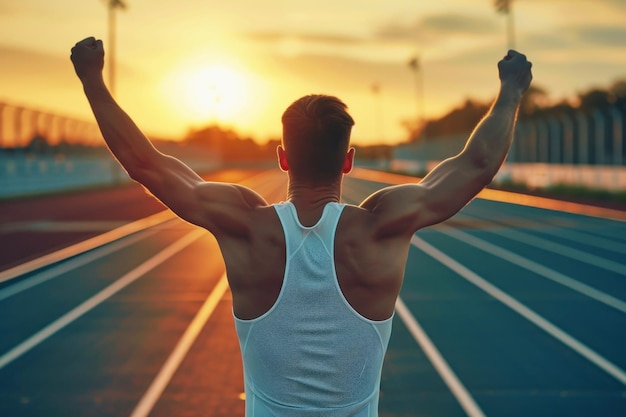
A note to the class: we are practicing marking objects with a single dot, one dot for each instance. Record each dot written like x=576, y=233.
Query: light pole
x=378, y=110
x=2, y=106
x=418, y=73
x=112, y=6
x=506, y=7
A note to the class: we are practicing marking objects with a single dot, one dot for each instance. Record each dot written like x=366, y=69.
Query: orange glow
x=208, y=91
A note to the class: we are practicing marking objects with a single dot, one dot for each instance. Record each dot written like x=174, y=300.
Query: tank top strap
x=295, y=232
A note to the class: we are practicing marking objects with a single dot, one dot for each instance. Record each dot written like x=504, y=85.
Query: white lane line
x=51, y=226
x=449, y=377
x=98, y=298
x=563, y=250
x=149, y=399
x=537, y=268
x=70, y=265
x=589, y=239
x=86, y=245
x=521, y=309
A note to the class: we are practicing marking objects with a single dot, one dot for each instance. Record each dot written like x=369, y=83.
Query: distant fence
x=574, y=148
x=20, y=125
x=27, y=174
x=23, y=175
x=42, y=152
x=575, y=137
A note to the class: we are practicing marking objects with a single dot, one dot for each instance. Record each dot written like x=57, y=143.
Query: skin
x=372, y=239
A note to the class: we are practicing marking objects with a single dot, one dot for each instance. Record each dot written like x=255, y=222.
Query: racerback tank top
x=312, y=354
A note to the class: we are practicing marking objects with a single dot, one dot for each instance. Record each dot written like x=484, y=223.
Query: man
x=314, y=282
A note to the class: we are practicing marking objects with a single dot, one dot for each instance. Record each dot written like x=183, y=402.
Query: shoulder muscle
x=397, y=209
x=225, y=208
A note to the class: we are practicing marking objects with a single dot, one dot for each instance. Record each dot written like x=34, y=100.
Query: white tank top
x=311, y=354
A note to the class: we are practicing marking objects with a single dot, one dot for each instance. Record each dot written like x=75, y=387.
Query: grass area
x=568, y=192
x=575, y=193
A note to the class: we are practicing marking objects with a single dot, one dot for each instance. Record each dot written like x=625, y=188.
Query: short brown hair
x=316, y=136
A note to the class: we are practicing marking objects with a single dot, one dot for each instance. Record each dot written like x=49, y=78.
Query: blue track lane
x=509, y=365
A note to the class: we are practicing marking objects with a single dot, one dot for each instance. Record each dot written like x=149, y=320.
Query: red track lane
x=33, y=227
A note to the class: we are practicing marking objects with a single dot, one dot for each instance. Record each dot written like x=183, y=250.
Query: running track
x=506, y=310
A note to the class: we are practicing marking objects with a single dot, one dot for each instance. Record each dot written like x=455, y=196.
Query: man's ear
x=348, y=163
x=282, y=158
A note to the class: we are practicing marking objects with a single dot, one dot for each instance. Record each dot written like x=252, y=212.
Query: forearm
x=125, y=140
x=491, y=140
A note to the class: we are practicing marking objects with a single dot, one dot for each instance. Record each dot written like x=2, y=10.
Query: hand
x=515, y=71
x=88, y=57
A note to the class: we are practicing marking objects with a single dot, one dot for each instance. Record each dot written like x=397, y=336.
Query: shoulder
x=226, y=208
x=396, y=211
x=228, y=193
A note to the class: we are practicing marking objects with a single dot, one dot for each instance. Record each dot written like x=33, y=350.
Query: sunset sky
x=187, y=63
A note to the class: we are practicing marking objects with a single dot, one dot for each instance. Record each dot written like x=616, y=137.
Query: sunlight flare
x=209, y=93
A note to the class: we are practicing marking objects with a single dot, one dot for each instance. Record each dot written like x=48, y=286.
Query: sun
x=214, y=93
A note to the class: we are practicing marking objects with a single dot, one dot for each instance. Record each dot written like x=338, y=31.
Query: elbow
x=484, y=166
x=136, y=167
x=485, y=178
x=136, y=175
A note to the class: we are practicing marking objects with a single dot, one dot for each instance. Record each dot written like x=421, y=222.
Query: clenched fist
x=515, y=71
x=88, y=57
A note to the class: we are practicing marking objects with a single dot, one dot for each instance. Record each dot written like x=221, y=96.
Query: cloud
x=37, y=80
x=460, y=24
x=579, y=39
x=612, y=36
x=24, y=63
x=434, y=26
x=398, y=31
x=7, y=9
x=548, y=41
x=304, y=37
x=619, y=4
x=432, y=29
x=363, y=47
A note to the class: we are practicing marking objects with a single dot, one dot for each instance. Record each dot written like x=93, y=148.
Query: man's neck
x=311, y=199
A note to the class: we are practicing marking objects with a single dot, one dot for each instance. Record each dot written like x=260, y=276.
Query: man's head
x=316, y=137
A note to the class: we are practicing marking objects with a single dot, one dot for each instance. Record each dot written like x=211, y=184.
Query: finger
x=512, y=54
x=509, y=54
x=87, y=41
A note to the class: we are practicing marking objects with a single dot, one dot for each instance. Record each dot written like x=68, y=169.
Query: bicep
x=406, y=208
x=221, y=208
x=450, y=186
x=170, y=181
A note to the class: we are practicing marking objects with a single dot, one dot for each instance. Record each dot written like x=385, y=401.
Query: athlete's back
x=312, y=353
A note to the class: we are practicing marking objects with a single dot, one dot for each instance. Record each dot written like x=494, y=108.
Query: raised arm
x=167, y=178
x=457, y=180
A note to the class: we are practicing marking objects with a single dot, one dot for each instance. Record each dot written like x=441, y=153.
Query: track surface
x=506, y=310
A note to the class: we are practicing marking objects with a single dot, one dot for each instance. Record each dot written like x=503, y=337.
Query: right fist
x=515, y=71
x=88, y=57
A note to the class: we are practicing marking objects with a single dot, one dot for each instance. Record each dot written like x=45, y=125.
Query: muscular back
x=369, y=267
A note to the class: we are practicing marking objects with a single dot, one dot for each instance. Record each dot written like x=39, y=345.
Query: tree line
x=461, y=119
x=536, y=103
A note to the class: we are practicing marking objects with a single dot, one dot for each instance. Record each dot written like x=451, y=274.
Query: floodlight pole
x=510, y=28
x=506, y=7
x=111, y=48
x=418, y=74
x=112, y=5
x=378, y=110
